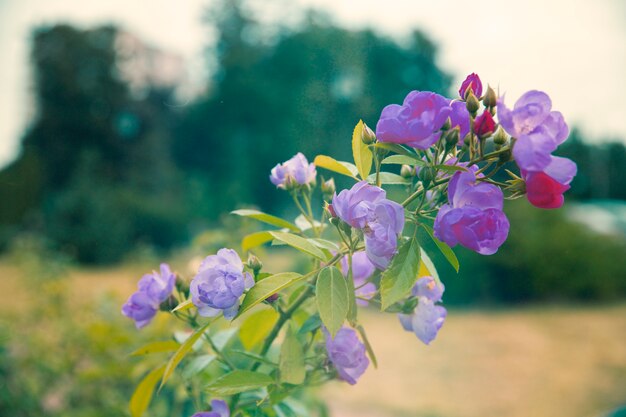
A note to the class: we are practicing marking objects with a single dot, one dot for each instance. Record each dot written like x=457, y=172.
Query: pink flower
x=544, y=189
x=472, y=82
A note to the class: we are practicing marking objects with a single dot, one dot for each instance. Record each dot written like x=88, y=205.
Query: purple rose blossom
x=417, y=122
x=218, y=409
x=427, y=318
x=153, y=289
x=295, y=169
x=347, y=354
x=472, y=82
x=474, y=216
x=539, y=131
x=219, y=284
x=362, y=270
x=460, y=117
x=366, y=207
x=545, y=189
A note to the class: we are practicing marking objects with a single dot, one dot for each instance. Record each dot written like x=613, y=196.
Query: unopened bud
x=500, y=138
x=447, y=125
x=331, y=211
x=490, y=99
x=407, y=171
x=182, y=285
x=367, y=135
x=272, y=298
x=452, y=137
x=328, y=186
x=254, y=263
x=169, y=304
x=466, y=140
x=472, y=103
x=426, y=175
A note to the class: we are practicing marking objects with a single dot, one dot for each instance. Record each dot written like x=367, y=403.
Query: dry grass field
x=529, y=362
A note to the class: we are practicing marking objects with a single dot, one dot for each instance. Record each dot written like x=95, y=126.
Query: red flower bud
x=484, y=125
x=472, y=82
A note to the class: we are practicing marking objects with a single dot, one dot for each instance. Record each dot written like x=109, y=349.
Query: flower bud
x=272, y=298
x=471, y=83
x=169, y=304
x=331, y=211
x=446, y=125
x=182, y=285
x=500, y=138
x=452, y=138
x=254, y=263
x=472, y=103
x=328, y=186
x=490, y=99
x=406, y=171
x=426, y=175
x=484, y=125
x=367, y=135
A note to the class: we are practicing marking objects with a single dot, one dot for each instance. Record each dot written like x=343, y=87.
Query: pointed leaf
x=184, y=305
x=237, y=382
x=398, y=280
x=394, y=147
x=449, y=168
x=331, y=294
x=300, y=243
x=182, y=351
x=255, y=239
x=389, y=178
x=142, y=396
x=266, y=218
x=361, y=152
x=428, y=266
x=291, y=362
x=340, y=167
x=256, y=327
x=157, y=347
x=447, y=252
x=404, y=160
x=267, y=287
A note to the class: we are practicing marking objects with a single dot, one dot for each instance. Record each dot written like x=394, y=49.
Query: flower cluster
x=294, y=172
x=153, y=289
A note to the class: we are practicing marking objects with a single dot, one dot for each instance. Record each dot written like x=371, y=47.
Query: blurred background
x=129, y=130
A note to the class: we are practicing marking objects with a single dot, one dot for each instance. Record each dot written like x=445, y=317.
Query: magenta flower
x=472, y=82
x=544, y=189
x=219, y=284
x=484, y=125
x=474, y=216
x=539, y=131
x=417, y=122
x=219, y=408
x=366, y=207
x=347, y=354
x=153, y=289
x=362, y=270
x=296, y=170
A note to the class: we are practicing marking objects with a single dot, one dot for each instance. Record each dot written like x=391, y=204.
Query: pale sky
x=575, y=50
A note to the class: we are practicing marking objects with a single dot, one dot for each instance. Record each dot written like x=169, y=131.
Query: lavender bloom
x=545, y=189
x=474, y=216
x=366, y=207
x=296, y=169
x=417, y=122
x=347, y=354
x=429, y=288
x=219, y=284
x=460, y=117
x=425, y=321
x=218, y=409
x=538, y=130
x=362, y=270
x=153, y=289
x=472, y=82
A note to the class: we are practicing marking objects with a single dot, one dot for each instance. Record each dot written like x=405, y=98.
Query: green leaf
x=266, y=218
x=142, y=396
x=449, y=168
x=331, y=294
x=182, y=351
x=197, y=365
x=255, y=239
x=325, y=244
x=404, y=160
x=394, y=147
x=445, y=249
x=291, y=362
x=267, y=287
x=311, y=324
x=256, y=327
x=427, y=267
x=368, y=346
x=340, y=167
x=238, y=381
x=400, y=276
x=300, y=243
x=184, y=305
x=156, y=347
x=361, y=152
x=389, y=178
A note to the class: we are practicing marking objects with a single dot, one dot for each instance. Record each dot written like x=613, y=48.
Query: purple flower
x=153, y=289
x=425, y=321
x=472, y=82
x=296, y=169
x=219, y=284
x=347, y=354
x=539, y=131
x=417, y=122
x=545, y=189
x=366, y=207
x=460, y=117
x=218, y=409
x=429, y=288
x=474, y=216
x=362, y=270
